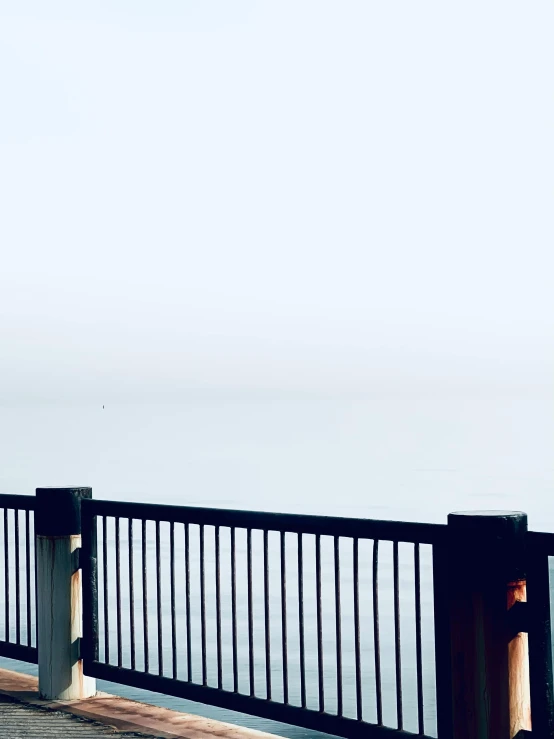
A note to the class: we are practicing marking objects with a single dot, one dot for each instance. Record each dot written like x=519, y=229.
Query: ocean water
x=402, y=456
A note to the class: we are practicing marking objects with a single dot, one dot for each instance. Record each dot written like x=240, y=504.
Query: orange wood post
x=489, y=652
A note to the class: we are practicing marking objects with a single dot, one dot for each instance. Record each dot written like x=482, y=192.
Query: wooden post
x=489, y=651
x=59, y=612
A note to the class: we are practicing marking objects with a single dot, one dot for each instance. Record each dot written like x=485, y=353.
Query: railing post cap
x=504, y=523
x=488, y=514
x=489, y=543
x=58, y=510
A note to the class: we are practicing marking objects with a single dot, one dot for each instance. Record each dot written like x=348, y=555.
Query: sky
x=259, y=194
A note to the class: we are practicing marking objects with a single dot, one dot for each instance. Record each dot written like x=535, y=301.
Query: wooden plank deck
x=24, y=721
x=105, y=714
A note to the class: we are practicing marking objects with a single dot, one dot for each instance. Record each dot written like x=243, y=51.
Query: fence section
x=17, y=577
x=300, y=619
x=334, y=624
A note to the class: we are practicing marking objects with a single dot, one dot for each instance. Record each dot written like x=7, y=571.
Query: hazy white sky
x=274, y=193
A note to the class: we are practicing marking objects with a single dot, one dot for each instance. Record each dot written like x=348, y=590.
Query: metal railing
x=17, y=578
x=218, y=606
x=349, y=626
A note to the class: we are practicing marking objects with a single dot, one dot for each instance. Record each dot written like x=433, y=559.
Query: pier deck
x=23, y=715
x=25, y=721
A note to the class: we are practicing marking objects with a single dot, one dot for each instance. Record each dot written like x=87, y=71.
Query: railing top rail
x=421, y=533
x=21, y=502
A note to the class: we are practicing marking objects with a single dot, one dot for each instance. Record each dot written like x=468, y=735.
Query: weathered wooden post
x=489, y=650
x=59, y=616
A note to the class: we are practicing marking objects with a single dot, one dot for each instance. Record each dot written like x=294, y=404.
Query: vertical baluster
x=89, y=561
x=319, y=622
x=203, y=606
x=28, y=573
x=250, y=614
x=131, y=595
x=187, y=603
x=159, y=601
x=172, y=586
x=376, y=636
x=35, y=575
x=301, y=622
x=105, y=588
x=6, y=576
x=267, y=619
x=145, y=599
x=356, y=578
x=338, y=630
x=118, y=592
x=419, y=664
x=234, y=610
x=17, y=579
x=218, y=609
x=397, y=648
x=284, y=618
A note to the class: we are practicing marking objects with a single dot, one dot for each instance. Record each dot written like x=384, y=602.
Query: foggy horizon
x=301, y=196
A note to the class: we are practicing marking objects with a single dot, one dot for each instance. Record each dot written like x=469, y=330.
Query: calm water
x=398, y=456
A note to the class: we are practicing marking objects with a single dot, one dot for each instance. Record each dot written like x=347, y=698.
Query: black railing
x=163, y=587
x=17, y=577
x=341, y=625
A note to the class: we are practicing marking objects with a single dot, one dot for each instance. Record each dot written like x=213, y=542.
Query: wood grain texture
x=489, y=653
x=59, y=619
x=518, y=667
